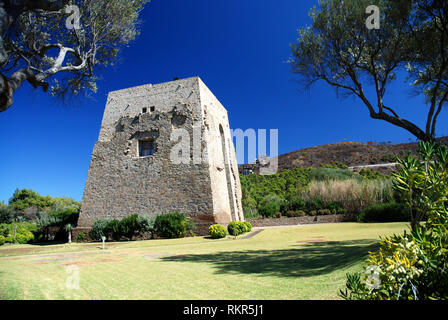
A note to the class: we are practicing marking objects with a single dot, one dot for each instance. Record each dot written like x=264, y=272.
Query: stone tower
x=164, y=148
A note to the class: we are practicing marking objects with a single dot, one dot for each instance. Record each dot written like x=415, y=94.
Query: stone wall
x=286, y=221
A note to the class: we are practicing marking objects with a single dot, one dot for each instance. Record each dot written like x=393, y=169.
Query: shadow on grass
x=48, y=243
x=311, y=259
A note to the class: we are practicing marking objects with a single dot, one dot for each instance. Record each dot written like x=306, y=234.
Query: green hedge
x=385, y=212
x=117, y=229
x=173, y=225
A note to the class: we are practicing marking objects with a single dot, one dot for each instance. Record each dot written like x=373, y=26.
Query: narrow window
x=144, y=110
x=146, y=148
x=152, y=109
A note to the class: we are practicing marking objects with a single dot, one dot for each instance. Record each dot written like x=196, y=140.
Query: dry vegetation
x=353, y=194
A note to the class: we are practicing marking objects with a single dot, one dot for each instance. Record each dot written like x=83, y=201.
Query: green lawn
x=304, y=262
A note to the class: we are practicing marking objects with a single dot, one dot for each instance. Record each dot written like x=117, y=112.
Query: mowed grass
x=303, y=262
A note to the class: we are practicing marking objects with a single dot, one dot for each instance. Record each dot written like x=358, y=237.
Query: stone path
x=253, y=234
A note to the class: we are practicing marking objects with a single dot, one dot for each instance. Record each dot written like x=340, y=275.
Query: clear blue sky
x=238, y=47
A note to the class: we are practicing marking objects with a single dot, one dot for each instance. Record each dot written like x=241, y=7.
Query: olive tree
x=57, y=45
x=340, y=49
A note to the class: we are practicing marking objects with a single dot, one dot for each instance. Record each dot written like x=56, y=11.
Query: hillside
x=349, y=153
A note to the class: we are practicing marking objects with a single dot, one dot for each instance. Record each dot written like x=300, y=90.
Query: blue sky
x=238, y=47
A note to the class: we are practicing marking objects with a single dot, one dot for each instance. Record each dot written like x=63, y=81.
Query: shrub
x=298, y=213
x=270, y=206
x=422, y=182
x=385, y=212
x=285, y=184
x=65, y=216
x=323, y=212
x=217, y=231
x=99, y=229
x=413, y=265
x=248, y=226
x=372, y=175
x=269, y=210
x=251, y=213
x=80, y=237
x=334, y=207
x=408, y=266
x=334, y=165
x=249, y=206
x=129, y=226
x=112, y=230
x=235, y=228
x=2, y=240
x=316, y=203
x=173, y=225
x=146, y=224
x=24, y=232
x=297, y=204
x=328, y=174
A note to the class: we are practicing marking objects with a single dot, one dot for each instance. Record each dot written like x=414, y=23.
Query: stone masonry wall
x=120, y=182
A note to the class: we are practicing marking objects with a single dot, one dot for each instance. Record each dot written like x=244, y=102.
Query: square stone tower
x=164, y=148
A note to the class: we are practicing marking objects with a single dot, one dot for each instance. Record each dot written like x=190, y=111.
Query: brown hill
x=348, y=153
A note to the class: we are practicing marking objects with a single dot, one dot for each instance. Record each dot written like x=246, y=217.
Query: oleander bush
x=217, y=231
x=412, y=265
